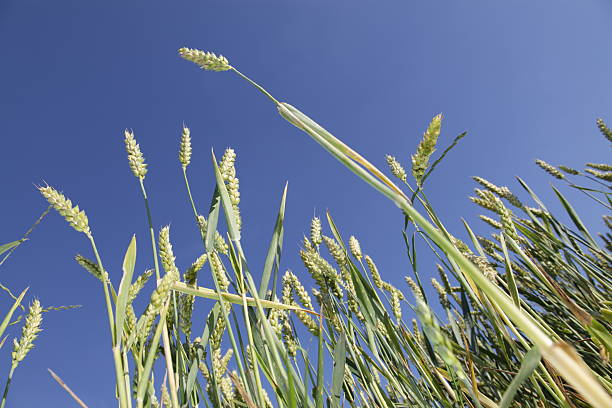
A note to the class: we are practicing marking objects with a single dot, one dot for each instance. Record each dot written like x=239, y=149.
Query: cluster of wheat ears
x=524, y=312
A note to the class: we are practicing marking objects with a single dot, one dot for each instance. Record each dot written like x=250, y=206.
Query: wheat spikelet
x=308, y=245
x=138, y=284
x=603, y=175
x=396, y=307
x=417, y=333
x=396, y=168
x=569, y=170
x=217, y=333
x=91, y=267
x=420, y=160
x=289, y=338
x=135, y=157
x=447, y=284
x=220, y=244
x=273, y=319
x=484, y=266
x=165, y=250
x=185, y=149
x=550, y=169
x=418, y=294
x=486, y=199
x=73, y=215
x=206, y=60
x=322, y=272
x=374, y=272
x=315, y=231
x=191, y=273
x=29, y=332
x=291, y=284
x=165, y=396
x=158, y=298
x=335, y=250
x=355, y=248
x=600, y=166
x=441, y=293
x=130, y=322
x=503, y=192
x=490, y=221
x=604, y=129
x=218, y=271
x=228, y=173
x=488, y=185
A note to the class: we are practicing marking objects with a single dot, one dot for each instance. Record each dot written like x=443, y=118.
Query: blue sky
x=525, y=79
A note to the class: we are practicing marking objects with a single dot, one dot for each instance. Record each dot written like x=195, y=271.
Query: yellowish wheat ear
x=550, y=169
x=75, y=217
x=135, y=157
x=29, y=332
x=185, y=151
x=396, y=168
x=206, y=60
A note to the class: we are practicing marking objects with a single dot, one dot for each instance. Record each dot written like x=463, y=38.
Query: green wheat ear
x=604, y=129
x=420, y=160
x=206, y=60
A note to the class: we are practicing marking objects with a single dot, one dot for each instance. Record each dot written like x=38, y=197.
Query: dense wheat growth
x=521, y=316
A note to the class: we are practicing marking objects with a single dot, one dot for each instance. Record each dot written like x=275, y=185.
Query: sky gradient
x=525, y=79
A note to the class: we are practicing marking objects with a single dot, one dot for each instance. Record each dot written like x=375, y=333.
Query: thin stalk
x=123, y=397
x=193, y=206
x=258, y=383
x=28, y=232
x=151, y=230
x=8, y=384
x=143, y=383
x=168, y=358
x=126, y=373
x=119, y=373
x=256, y=85
x=233, y=298
x=166, y=339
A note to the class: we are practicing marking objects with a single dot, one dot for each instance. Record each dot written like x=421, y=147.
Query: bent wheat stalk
x=233, y=298
x=561, y=356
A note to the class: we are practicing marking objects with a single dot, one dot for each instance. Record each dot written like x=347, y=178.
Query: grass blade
x=274, y=252
x=318, y=392
x=6, y=247
x=129, y=261
x=529, y=364
x=574, y=216
x=9, y=315
x=510, y=274
x=339, y=368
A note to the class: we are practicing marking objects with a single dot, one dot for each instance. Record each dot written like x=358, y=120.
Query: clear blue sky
x=525, y=79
